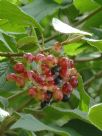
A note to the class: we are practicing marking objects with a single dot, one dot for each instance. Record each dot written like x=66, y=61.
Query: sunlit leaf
x=65, y=28
x=95, y=115
x=3, y=114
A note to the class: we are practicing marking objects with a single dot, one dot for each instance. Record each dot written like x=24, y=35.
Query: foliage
x=31, y=26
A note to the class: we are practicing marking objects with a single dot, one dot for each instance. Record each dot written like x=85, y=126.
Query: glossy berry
x=29, y=57
x=67, y=88
x=63, y=62
x=63, y=72
x=74, y=81
x=32, y=91
x=19, y=67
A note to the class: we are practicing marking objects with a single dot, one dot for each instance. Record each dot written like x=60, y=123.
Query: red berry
x=46, y=70
x=74, y=81
x=24, y=75
x=58, y=95
x=40, y=57
x=32, y=91
x=19, y=67
x=67, y=88
x=63, y=72
x=29, y=57
x=63, y=62
x=11, y=77
x=20, y=81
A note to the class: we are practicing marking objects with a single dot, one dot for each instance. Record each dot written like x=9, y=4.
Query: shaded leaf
x=30, y=123
x=41, y=8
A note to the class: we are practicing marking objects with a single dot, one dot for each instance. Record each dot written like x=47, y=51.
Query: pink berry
x=19, y=67
x=40, y=57
x=29, y=57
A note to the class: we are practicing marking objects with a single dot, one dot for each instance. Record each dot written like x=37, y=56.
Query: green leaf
x=4, y=45
x=28, y=43
x=30, y=123
x=95, y=115
x=82, y=128
x=3, y=114
x=15, y=16
x=84, y=98
x=5, y=68
x=65, y=28
x=74, y=49
x=40, y=8
x=4, y=101
x=58, y=1
x=99, y=1
x=61, y=115
x=85, y=5
x=93, y=21
x=95, y=43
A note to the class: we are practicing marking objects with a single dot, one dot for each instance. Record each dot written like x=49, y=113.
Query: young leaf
x=95, y=115
x=65, y=28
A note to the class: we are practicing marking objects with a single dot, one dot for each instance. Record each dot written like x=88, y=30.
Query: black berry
x=58, y=80
x=55, y=69
x=65, y=98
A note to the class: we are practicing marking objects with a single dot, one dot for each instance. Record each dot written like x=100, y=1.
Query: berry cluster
x=53, y=78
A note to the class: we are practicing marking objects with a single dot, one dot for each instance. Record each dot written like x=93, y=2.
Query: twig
x=16, y=95
x=89, y=81
x=75, y=39
x=9, y=54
